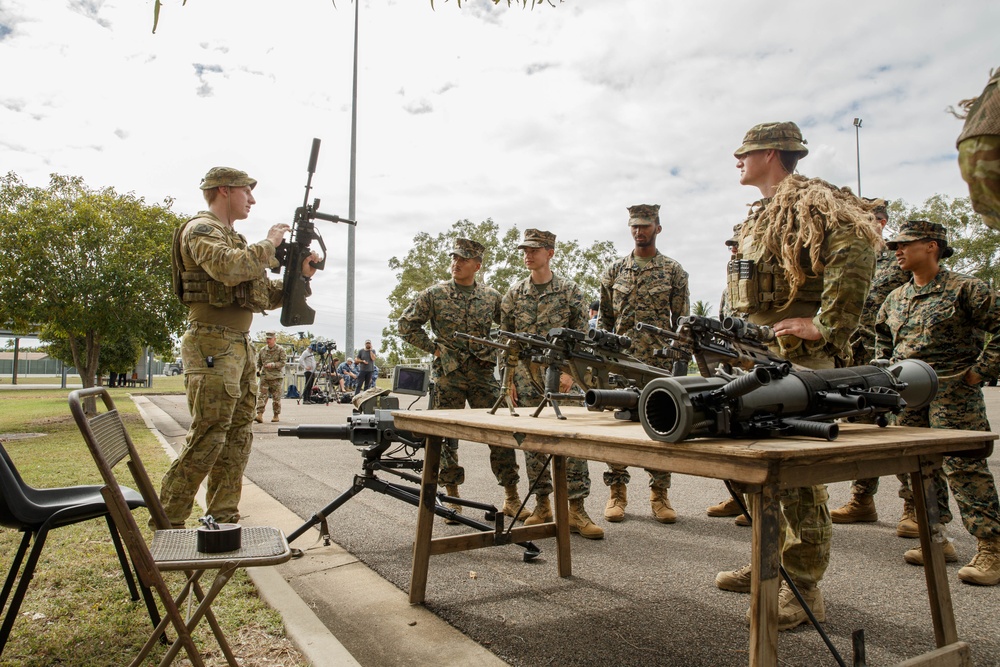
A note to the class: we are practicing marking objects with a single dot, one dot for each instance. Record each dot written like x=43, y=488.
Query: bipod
x=373, y=462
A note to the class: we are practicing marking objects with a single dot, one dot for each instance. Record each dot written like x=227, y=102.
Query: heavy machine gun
x=291, y=253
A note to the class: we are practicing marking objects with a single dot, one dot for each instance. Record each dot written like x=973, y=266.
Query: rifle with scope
x=290, y=254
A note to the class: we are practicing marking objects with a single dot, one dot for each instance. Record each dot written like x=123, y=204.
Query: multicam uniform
x=656, y=293
x=940, y=323
x=535, y=309
x=979, y=152
x=271, y=366
x=224, y=283
x=462, y=372
x=832, y=299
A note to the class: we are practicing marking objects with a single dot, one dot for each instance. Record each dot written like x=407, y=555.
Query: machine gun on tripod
x=381, y=445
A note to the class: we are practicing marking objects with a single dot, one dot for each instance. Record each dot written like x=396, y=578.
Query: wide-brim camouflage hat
x=643, y=214
x=784, y=136
x=918, y=230
x=537, y=238
x=226, y=176
x=467, y=248
x=270, y=334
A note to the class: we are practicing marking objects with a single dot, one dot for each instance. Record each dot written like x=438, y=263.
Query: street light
x=857, y=145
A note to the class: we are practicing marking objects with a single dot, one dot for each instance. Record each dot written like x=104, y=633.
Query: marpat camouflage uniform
x=656, y=293
x=979, y=152
x=463, y=371
x=219, y=373
x=271, y=366
x=526, y=309
x=940, y=324
x=833, y=300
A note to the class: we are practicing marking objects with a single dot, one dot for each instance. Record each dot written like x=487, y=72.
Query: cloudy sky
x=557, y=117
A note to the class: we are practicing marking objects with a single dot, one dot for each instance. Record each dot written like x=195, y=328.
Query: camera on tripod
x=323, y=347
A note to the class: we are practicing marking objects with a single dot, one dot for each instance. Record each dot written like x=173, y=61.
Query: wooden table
x=765, y=467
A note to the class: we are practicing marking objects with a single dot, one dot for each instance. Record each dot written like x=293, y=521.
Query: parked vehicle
x=174, y=368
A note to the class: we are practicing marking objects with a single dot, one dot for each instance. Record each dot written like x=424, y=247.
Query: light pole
x=857, y=147
x=349, y=324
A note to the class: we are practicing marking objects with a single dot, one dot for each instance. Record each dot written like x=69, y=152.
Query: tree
x=702, y=309
x=977, y=247
x=88, y=267
x=428, y=261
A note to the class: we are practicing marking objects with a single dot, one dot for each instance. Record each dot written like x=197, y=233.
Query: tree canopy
x=428, y=262
x=87, y=267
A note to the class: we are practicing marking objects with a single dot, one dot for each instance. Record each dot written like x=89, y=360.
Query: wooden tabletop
x=860, y=451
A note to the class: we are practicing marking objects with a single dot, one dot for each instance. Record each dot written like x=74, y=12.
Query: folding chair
x=171, y=550
x=37, y=511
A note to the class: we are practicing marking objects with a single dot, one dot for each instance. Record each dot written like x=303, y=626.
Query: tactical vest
x=199, y=287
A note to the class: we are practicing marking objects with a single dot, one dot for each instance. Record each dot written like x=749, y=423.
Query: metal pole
x=349, y=333
x=857, y=147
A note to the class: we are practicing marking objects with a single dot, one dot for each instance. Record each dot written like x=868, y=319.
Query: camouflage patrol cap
x=536, y=238
x=784, y=136
x=467, y=248
x=218, y=176
x=643, y=214
x=270, y=334
x=922, y=230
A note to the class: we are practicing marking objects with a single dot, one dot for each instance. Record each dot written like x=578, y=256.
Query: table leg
x=765, y=580
x=425, y=520
x=929, y=521
x=561, y=493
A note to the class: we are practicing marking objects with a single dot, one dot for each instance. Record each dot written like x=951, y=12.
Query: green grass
x=77, y=610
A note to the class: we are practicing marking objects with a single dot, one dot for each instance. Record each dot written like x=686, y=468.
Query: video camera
x=322, y=348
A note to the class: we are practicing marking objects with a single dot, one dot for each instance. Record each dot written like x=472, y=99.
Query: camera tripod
x=375, y=462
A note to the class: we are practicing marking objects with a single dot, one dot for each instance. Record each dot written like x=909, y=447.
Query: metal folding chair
x=171, y=550
x=37, y=511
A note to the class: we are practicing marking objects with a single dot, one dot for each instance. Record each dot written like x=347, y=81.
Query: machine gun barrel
x=316, y=432
x=611, y=399
x=482, y=341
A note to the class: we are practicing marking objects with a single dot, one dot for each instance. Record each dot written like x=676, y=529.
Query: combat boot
x=452, y=490
x=659, y=502
x=742, y=520
x=614, y=511
x=580, y=521
x=737, y=581
x=512, y=503
x=275, y=419
x=728, y=507
x=907, y=526
x=985, y=566
x=259, y=418
x=859, y=509
x=542, y=512
x=915, y=556
x=790, y=612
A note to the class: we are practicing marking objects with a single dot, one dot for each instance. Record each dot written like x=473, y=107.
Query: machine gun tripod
x=376, y=434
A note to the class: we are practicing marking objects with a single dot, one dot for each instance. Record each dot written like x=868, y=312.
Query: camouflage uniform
x=271, y=366
x=939, y=323
x=527, y=309
x=979, y=152
x=656, y=294
x=831, y=299
x=461, y=371
x=219, y=360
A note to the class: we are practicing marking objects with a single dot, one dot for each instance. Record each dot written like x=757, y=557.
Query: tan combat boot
x=790, y=612
x=512, y=503
x=737, y=581
x=727, y=507
x=259, y=418
x=580, y=522
x=907, y=526
x=915, y=556
x=614, y=511
x=452, y=490
x=542, y=513
x=985, y=566
x=659, y=502
x=275, y=418
x=859, y=509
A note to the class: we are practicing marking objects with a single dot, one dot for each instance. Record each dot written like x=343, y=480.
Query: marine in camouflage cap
x=785, y=136
x=643, y=214
x=536, y=238
x=219, y=176
x=922, y=230
x=270, y=334
x=467, y=248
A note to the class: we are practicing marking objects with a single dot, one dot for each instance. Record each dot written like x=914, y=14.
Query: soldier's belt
x=219, y=330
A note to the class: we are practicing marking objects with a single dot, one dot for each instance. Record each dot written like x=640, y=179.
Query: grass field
x=77, y=610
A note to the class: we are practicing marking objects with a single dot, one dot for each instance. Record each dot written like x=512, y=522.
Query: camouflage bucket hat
x=536, y=238
x=784, y=136
x=219, y=176
x=979, y=161
x=467, y=248
x=643, y=214
x=918, y=230
x=270, y=334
